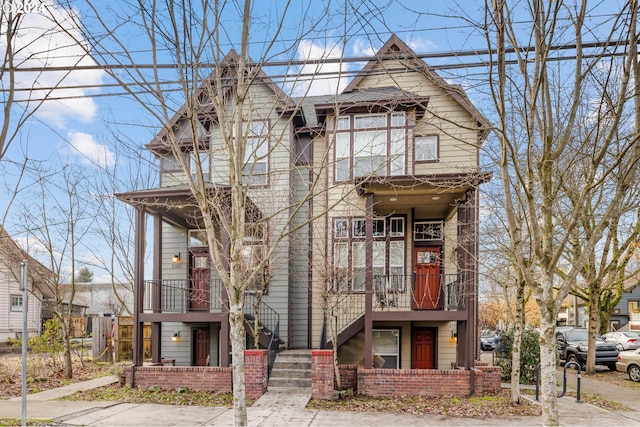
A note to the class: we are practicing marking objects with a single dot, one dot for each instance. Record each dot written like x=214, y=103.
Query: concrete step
x=292, y=368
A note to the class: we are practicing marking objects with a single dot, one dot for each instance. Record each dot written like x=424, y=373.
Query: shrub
x=529, y=355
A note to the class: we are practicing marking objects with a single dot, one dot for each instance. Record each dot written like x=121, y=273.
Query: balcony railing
x=182, y=296
x=419, y=292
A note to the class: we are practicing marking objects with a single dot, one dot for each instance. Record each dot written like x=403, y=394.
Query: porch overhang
x=177, y=205
x=431, y=196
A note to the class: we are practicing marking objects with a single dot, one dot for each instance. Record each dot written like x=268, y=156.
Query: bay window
x=370, y=145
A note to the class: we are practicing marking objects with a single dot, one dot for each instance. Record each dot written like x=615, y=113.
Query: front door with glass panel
x=426, y=291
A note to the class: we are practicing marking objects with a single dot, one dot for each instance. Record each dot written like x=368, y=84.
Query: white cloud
x=321, y=78
x=422, y=46
x=362, y=47
x=91, y=153
x=46, y=40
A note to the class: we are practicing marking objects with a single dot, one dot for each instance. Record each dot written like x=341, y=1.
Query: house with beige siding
x=380, y=263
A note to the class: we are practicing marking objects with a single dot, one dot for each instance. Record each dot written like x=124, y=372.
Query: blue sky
x=93, y=129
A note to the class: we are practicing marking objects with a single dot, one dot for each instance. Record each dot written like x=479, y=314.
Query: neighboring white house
x=11, y=297
x=105, y=298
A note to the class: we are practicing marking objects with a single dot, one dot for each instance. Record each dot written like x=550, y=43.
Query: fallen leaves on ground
x=490, y=405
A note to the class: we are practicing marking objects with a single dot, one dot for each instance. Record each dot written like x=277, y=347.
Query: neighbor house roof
x=13, y=255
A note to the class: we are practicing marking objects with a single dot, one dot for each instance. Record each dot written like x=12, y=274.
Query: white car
x=628, y=340
x=629, y=362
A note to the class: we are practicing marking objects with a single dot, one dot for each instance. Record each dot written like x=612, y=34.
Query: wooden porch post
x=156, y=327
x=368, y=313
x=138, y=282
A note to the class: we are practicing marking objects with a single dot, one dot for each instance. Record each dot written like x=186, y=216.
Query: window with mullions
x=388, y=254
x=427, y=230
x=16, y=303
x=256, y=163
x=370, y=145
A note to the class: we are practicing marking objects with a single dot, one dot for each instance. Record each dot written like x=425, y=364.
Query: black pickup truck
x=572, y=346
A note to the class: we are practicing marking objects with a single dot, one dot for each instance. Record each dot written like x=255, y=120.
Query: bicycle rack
x=571, y=363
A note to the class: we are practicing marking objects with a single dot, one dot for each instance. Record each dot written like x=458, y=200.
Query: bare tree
x=548, y=100
x=55, y=225
x=221, y=123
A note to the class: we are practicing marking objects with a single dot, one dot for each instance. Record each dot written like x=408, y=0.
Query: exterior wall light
x=176, y=258
x=176, y=336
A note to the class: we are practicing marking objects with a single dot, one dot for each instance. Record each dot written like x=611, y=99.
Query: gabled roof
x=229, y=65
x=396, y=49
x=12, y=255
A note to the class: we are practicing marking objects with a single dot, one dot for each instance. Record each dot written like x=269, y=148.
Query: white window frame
x=428, y=230
x=17, y=303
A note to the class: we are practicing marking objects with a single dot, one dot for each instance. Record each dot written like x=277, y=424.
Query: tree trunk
x=594, y=326
x=548, y=375
x=237, y=333
x=517, y=343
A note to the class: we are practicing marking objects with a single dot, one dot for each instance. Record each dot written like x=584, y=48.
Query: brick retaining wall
x=402, y=382
x=204, y=378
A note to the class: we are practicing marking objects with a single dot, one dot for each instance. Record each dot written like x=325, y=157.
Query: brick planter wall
x=204, y=378
x=322, y=374
x=401, y=382
x=256, y=373
x=491, y=378
x=417, y=382
x=348, y=377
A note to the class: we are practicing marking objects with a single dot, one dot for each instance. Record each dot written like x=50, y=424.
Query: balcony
x=401, y=293
x=419, y=292
x=182, y=296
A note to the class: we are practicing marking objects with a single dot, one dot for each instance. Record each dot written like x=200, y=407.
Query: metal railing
x=179, y=296
x=268, y=323
x=419, y=292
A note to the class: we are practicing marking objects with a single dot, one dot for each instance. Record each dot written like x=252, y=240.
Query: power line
x=291, y=77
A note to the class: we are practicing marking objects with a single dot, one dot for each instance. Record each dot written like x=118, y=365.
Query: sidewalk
x=288, y=409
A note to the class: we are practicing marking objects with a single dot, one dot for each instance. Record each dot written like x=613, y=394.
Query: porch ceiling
x=430, y=197
x=176, y=203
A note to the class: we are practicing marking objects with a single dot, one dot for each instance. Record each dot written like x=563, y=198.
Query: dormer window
x=370, y=145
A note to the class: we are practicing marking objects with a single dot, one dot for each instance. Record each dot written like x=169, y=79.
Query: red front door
x=200, y=347
x=423, y=349
x=426, y=291
x=199, y=292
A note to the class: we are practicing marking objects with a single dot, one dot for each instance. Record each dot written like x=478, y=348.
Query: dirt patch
x=44, y=372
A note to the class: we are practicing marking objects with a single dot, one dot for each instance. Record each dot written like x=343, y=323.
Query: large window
x=256, y=157
x=370, y=145
x=349, y=253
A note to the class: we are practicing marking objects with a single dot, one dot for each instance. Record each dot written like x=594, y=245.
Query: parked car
x=628, y=340
x=629, y=362
x=572, y=346
x=488, y=340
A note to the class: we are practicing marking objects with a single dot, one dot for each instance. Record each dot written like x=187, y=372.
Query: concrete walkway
x=288, y=408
